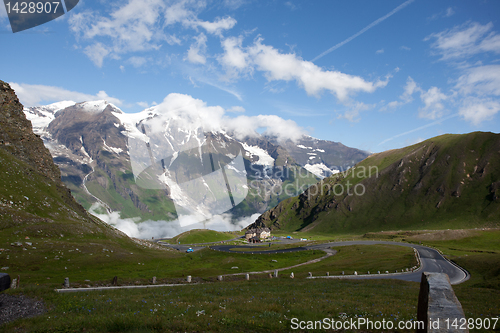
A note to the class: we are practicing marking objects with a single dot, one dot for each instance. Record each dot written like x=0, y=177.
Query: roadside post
x=4, y=281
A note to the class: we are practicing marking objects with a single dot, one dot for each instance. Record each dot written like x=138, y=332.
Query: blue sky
x=374, y=75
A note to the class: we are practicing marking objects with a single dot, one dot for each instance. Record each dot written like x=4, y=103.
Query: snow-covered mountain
x=156, y=165
x=321, y=157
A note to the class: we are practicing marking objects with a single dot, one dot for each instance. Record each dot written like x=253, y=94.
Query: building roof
x=257, y=230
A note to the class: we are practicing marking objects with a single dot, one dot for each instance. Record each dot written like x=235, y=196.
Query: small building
x=258, y=233
x=254, y=239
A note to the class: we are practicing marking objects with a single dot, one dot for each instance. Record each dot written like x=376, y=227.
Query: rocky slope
x=450, y=181
x=321, y=157
x=32, y=195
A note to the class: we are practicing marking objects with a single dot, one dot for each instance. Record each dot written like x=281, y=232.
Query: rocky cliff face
x=31, y=190
x=17, y=137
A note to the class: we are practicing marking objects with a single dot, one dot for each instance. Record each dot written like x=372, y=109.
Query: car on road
x=189, y=250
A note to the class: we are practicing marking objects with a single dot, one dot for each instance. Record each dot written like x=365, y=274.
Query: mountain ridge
x=95, y=147
x=447, y=181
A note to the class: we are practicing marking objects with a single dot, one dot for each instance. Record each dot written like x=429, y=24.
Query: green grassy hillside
x=202, y=236
x=451, y=181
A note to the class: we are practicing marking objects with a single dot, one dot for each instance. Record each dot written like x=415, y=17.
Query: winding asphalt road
x=431, y=260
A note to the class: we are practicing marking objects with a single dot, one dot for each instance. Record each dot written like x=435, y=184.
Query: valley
x=47, y=236
x=99, y=145
x=250, y=166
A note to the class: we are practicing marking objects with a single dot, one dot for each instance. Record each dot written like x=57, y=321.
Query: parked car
x=189, y=250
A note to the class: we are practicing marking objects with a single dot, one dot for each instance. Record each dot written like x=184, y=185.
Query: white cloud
x=433, y=100
x=172, y=40
x=140, y=26
x=132, y=27
x=34, y=95
x=275, y=126
x=379, y=51
x=137, y=61
x=193, y=113
x=466, y=40
x=291, y=5
x=406, y=48
x=234, y=59
x=179, y=12
x=234, y=56
x=97, y=52
x=314, y=80
x=278, y=66
x=477, y=110
x=163, y=229
x=410, y=88
x=237, y=109
x=482, y=80
x=449, y=12
x=407, y=96
x=477, y=89
x=216, y=27
x=197, y=50
x=144, y=105
x=234, y=4
x=480, y=87
x=352, y=114
x=434, y=107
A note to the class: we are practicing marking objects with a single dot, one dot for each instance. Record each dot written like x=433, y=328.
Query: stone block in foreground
x=438, y=307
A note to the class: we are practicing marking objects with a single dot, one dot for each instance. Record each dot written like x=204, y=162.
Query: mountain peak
x=96, y=106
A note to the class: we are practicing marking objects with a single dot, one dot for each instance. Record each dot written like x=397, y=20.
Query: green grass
x=24, y=190
x=202, y=236
x=362, y=259
x=100, y=261
x=456, y=171
x=262, y=305
x=480, y=241
x=235, y=304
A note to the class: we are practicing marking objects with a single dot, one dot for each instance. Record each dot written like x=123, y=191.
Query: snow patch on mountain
x=264, y=157
x=41, y=116
x=129, y=121
x=117, y=151
x=320, y=169
x=94, y=106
